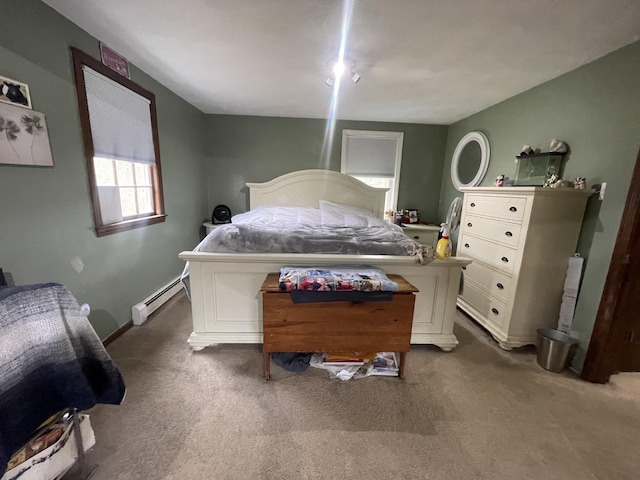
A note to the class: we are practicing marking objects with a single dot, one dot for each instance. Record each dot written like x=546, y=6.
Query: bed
x=224, y=287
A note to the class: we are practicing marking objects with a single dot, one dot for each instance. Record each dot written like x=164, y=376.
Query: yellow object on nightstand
x=443, y=248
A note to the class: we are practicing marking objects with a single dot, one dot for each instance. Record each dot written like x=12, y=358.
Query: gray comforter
x=300, y=238
x=280, y=237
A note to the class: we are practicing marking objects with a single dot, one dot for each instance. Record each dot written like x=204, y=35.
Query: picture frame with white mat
x=24, y=138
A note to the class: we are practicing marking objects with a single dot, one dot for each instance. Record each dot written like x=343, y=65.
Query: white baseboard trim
x=141, y=311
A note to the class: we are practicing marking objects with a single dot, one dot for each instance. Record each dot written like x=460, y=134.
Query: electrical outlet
x=603, y=187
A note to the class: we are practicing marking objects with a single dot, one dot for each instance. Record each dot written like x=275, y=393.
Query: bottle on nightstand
x=443, y=248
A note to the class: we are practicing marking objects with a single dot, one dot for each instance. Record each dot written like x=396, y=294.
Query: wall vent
x=141, y=311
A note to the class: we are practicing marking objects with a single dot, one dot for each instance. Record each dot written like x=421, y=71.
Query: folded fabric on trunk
x=343, y=279
x=302, y=296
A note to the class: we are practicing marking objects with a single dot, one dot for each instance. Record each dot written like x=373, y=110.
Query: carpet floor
x=477, y=412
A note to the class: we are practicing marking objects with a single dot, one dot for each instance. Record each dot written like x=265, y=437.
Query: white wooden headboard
x=305, y=188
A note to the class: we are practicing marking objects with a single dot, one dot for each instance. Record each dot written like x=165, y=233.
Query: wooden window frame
x=158, y=216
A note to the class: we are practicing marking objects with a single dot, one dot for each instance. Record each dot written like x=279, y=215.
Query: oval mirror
x=470, y=160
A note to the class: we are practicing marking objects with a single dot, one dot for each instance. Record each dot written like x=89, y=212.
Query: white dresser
x=520, y=240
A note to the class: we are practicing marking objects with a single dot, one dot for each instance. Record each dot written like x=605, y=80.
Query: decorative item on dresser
x=520, y=240
x=535, y=169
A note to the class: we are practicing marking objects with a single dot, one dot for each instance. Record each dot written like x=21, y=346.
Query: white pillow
x=329, y=217
x=270, y=214
x=326, y=205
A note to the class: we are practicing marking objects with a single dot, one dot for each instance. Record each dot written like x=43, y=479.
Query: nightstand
x=424, y=234
x=210, y=226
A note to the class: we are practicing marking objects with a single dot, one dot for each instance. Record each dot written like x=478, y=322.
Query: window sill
x=102, y=230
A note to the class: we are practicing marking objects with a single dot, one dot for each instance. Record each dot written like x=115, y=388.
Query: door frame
x=602, y=357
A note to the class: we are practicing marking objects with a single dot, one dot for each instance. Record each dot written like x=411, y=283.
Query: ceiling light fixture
x=338, y=68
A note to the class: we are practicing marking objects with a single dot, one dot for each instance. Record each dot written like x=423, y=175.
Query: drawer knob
x=500, y=286
x=417, y=237
x=472, y=204
x=464, y=267
x=513, y=209
x=469, y=224
x=466, y=245
x=505, y=259
x=508, y=234
x=495, y=311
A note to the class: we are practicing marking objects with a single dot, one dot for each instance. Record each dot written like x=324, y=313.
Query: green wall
x=596, y=110
x=255, y=149
x=46, y=219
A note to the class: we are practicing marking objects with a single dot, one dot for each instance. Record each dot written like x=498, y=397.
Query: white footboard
x=225, y=299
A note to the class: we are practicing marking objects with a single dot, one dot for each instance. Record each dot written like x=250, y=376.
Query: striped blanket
x=50, y=359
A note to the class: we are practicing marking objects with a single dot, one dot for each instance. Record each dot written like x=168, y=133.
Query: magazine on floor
x=385, y=363
x=360, y=365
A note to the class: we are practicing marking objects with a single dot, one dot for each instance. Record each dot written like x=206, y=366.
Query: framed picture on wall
x=12, y=91
x=24, y=139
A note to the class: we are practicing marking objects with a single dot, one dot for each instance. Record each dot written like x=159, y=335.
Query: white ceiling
x=421, y=61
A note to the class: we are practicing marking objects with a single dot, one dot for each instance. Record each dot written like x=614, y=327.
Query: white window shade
x=120, y=120
x=110, y=207
x=370, y=156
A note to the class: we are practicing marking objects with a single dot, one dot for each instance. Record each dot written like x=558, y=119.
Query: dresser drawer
x=493, y=254
x=496, y=283
x=507, y=233
x=491, y=308
x=504, y=207
x=422, y=236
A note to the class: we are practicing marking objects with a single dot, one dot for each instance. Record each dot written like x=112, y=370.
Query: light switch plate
x=603, y=187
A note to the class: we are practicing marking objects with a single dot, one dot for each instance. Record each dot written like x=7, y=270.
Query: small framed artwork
x=114, y=61
x=24, y=139
x=12, y=91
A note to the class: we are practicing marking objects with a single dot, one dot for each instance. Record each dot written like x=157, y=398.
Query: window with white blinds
x=120, y=120
x=374, y=158
x=121, y=147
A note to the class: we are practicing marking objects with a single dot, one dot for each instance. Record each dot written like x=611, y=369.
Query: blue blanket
x=50, y=359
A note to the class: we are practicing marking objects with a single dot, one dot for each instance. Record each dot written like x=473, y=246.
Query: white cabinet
x=423, y=234
x=210, y=227
x=520, y=240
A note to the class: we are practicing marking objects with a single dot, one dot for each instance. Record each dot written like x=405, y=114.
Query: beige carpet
x=477, y=412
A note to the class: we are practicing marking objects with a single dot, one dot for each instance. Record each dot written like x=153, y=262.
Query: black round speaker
x=221, y=214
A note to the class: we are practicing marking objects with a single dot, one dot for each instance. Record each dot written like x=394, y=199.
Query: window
x=119, y=128
x=374, y=158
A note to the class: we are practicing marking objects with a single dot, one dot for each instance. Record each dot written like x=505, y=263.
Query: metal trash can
x=553, y=349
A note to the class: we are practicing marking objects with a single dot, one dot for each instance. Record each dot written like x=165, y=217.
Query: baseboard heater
x=141, y=311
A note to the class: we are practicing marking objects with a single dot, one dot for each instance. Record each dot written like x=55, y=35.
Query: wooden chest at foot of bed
x=340, y=326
